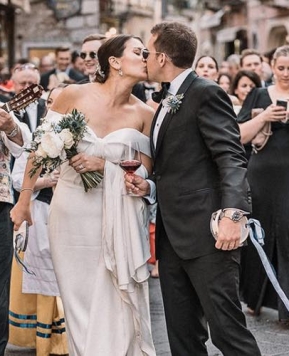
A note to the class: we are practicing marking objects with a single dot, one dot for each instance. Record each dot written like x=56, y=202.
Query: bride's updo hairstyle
x=115, y=47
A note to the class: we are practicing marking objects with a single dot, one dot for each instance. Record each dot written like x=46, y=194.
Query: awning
x=228, y=34
x=22, y=4
x=212, y=20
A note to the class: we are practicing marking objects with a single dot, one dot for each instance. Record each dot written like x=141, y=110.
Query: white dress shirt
x=174, y=87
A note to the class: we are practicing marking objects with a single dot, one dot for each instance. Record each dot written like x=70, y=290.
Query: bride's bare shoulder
x=68, y=97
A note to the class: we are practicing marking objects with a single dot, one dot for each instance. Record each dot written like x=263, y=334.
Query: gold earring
x=120, y=72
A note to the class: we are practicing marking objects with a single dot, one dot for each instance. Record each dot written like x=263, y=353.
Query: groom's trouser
x=6, y=253
x=201, y=290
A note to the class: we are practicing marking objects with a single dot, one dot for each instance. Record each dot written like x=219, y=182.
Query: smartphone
x=283, y=103
x=21, y=237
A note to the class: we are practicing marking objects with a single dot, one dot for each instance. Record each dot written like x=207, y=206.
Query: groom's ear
x=114, y=62
x=162, y=59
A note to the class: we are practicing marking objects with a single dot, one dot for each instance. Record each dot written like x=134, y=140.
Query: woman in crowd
x=99, y=239
x=225, y=80
x=243, y=83
x=268, y=174
x=241, y=86
x=207, y=67
x=36, y=311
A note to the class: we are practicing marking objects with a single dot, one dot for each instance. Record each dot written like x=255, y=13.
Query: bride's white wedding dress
x=100, y=245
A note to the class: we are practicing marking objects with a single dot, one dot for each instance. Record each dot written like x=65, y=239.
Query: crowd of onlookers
x=237, y=74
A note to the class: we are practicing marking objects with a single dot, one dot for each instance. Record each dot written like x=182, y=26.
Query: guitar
x=24, y=98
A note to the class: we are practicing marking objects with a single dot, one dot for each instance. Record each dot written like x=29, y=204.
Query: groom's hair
x=177, y=41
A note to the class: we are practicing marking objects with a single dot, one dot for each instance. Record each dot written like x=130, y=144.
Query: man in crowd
x=46, y=64
x=199, y=167
x=13, y=135
x=23, y=76
x=90, y=46
x=62, y=73
x=252, y=60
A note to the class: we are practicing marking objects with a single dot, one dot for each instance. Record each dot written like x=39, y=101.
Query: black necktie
x=157, y=96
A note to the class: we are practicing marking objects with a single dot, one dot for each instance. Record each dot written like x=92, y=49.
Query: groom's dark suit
x=200, y=167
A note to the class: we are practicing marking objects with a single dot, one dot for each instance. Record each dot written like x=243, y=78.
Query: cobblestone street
x=272, y=337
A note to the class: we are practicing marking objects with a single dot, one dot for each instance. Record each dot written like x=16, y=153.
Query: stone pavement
x=272, y=337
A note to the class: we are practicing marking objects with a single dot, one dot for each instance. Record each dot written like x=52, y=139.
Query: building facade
x=34, y=28
x=229, y=26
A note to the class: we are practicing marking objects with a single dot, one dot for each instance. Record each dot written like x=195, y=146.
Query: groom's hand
x=137, y=184
x=229, y=235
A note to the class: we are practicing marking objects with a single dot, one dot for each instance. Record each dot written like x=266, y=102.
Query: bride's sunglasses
x=91, y=55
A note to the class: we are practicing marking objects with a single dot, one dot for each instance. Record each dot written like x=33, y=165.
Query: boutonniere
x=173, y=102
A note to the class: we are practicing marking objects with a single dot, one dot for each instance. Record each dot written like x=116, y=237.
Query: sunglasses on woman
x=91, y=55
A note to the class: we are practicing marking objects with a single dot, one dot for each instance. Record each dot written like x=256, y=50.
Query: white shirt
x=174, y=87
x=31, y=110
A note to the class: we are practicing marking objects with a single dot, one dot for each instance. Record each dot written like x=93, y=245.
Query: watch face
x=237, y=216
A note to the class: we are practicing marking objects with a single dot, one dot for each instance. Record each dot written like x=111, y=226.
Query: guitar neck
x=24, y=98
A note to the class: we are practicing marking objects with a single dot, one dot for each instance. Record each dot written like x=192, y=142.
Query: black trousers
x=6, y=253
x=202, y=291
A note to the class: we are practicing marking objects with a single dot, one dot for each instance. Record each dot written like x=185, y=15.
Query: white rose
x=46, y=126
x=67, y=138
x=40, y=152
x=52, y=144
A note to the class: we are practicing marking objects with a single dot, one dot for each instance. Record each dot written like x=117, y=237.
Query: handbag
x=262, y=137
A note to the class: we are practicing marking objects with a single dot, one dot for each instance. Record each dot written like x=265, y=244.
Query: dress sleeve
x=257, y=98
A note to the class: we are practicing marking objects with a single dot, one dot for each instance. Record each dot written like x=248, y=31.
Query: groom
x=199, y=167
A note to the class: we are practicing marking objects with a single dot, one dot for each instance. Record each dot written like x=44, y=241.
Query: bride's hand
x=19, y=213
x=84, y=163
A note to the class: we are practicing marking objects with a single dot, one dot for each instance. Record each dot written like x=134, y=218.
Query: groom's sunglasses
x=91, y=54
x=145, y=53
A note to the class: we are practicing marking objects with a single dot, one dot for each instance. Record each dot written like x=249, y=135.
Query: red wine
x=130, y=166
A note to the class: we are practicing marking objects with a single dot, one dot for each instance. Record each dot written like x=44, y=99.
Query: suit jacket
x=73, y=74
x=41, y=108
x=199, y=167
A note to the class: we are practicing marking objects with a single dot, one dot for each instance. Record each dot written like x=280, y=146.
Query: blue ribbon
x=257, y=235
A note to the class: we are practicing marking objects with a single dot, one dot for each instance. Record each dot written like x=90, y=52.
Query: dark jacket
x=73, y=75
x=199, y=167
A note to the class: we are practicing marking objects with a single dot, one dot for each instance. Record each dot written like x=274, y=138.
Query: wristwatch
x=234, y=215
x=14, y=132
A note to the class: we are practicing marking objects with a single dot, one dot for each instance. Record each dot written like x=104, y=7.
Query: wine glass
x=130, y=159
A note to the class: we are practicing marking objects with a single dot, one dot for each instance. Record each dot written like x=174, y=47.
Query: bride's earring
x=120, y=72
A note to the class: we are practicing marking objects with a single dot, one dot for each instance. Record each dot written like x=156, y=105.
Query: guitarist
x=23, y=76
x=13, y=135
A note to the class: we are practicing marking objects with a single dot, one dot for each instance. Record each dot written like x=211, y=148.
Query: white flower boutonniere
x=173, y=102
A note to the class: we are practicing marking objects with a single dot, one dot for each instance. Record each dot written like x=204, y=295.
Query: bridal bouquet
x=56, y=142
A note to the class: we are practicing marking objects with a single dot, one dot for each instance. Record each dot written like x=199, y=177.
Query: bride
x=99, y=239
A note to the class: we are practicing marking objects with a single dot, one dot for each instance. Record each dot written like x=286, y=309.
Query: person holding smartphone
x=268, y=175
